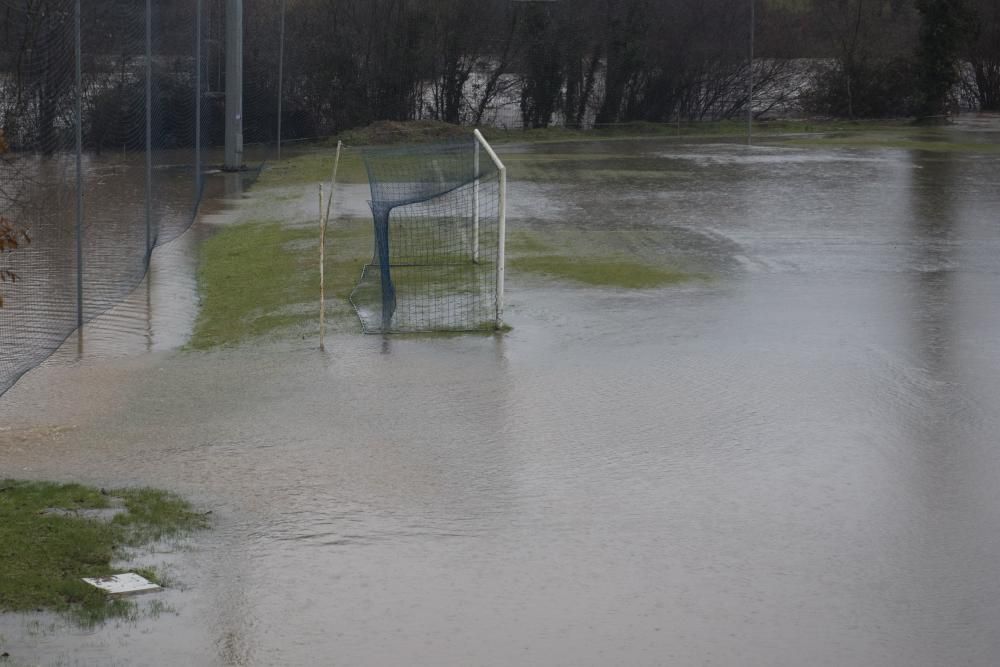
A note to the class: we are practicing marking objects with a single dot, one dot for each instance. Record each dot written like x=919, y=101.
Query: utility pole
x=281, y=72
x=79, y=173
x=234, y=85
x=750, y=100
x=149, y=130
x=198, y=171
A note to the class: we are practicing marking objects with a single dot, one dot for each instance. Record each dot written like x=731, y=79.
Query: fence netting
x=142, y=114
x=435, y=213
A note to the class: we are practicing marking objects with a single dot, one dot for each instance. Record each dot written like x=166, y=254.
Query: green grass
x=258, y=278
x=247, y=279
x=314, y=168
x=597, y=259
x=261, y=278
x=44, y=555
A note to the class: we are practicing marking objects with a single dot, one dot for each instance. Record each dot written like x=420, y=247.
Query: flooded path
x=792, y=463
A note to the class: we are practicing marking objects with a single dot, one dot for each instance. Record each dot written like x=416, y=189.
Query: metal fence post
x=234, y=85
x=750, y=100
x=281, y=73
x=149, y=129
x=197, y=105
x=79, y=169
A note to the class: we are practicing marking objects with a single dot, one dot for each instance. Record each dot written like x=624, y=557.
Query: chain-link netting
x=436, y=220
x=105, y=125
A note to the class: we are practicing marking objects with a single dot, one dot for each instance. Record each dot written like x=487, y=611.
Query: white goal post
x=502, y=219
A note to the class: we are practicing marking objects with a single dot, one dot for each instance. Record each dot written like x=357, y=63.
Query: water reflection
x=952, y=439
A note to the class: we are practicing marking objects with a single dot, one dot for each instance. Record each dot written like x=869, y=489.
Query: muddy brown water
x=792, y=463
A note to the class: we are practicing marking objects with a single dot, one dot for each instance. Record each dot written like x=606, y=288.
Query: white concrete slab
x=128, y=583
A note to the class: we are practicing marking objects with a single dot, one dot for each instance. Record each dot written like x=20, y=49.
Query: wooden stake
x=322, y=276
x=324, y=219
x=333, y=183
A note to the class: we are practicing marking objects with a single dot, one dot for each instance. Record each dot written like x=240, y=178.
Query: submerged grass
x=938, y=143
x=48, y=542
x=576, y=260
x=692, y=130
x=600, y=271
x=316, y=167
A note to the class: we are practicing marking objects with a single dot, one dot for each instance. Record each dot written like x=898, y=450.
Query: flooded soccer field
x=788, y=458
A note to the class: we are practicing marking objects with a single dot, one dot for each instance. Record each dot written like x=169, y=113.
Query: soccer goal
x=439, y=217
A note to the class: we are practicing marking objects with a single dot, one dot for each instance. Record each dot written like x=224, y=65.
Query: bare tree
x=872, y=71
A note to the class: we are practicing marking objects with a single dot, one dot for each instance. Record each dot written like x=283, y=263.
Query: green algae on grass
x=48, y=542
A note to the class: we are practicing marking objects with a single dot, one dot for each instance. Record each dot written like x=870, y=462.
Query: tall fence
x=107, y=111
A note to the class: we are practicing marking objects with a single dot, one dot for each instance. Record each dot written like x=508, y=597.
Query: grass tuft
x=45, y=553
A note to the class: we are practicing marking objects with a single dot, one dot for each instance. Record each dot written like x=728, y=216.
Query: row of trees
x=614, y=61
x=516, y=62
x=919, y=57
x=603, y=61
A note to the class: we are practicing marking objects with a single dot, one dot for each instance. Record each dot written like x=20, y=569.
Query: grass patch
x=245, y=275
x=45, y=553
x=567, y=254
x=314, y=168
x=317, y=167
x=260, y=277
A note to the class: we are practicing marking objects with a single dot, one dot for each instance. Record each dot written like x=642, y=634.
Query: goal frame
x=501, y=219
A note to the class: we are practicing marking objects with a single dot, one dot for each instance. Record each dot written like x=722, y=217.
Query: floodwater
x=792, y=463
x=40, y=195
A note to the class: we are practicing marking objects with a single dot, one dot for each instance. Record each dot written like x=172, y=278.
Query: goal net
x=439, y=215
